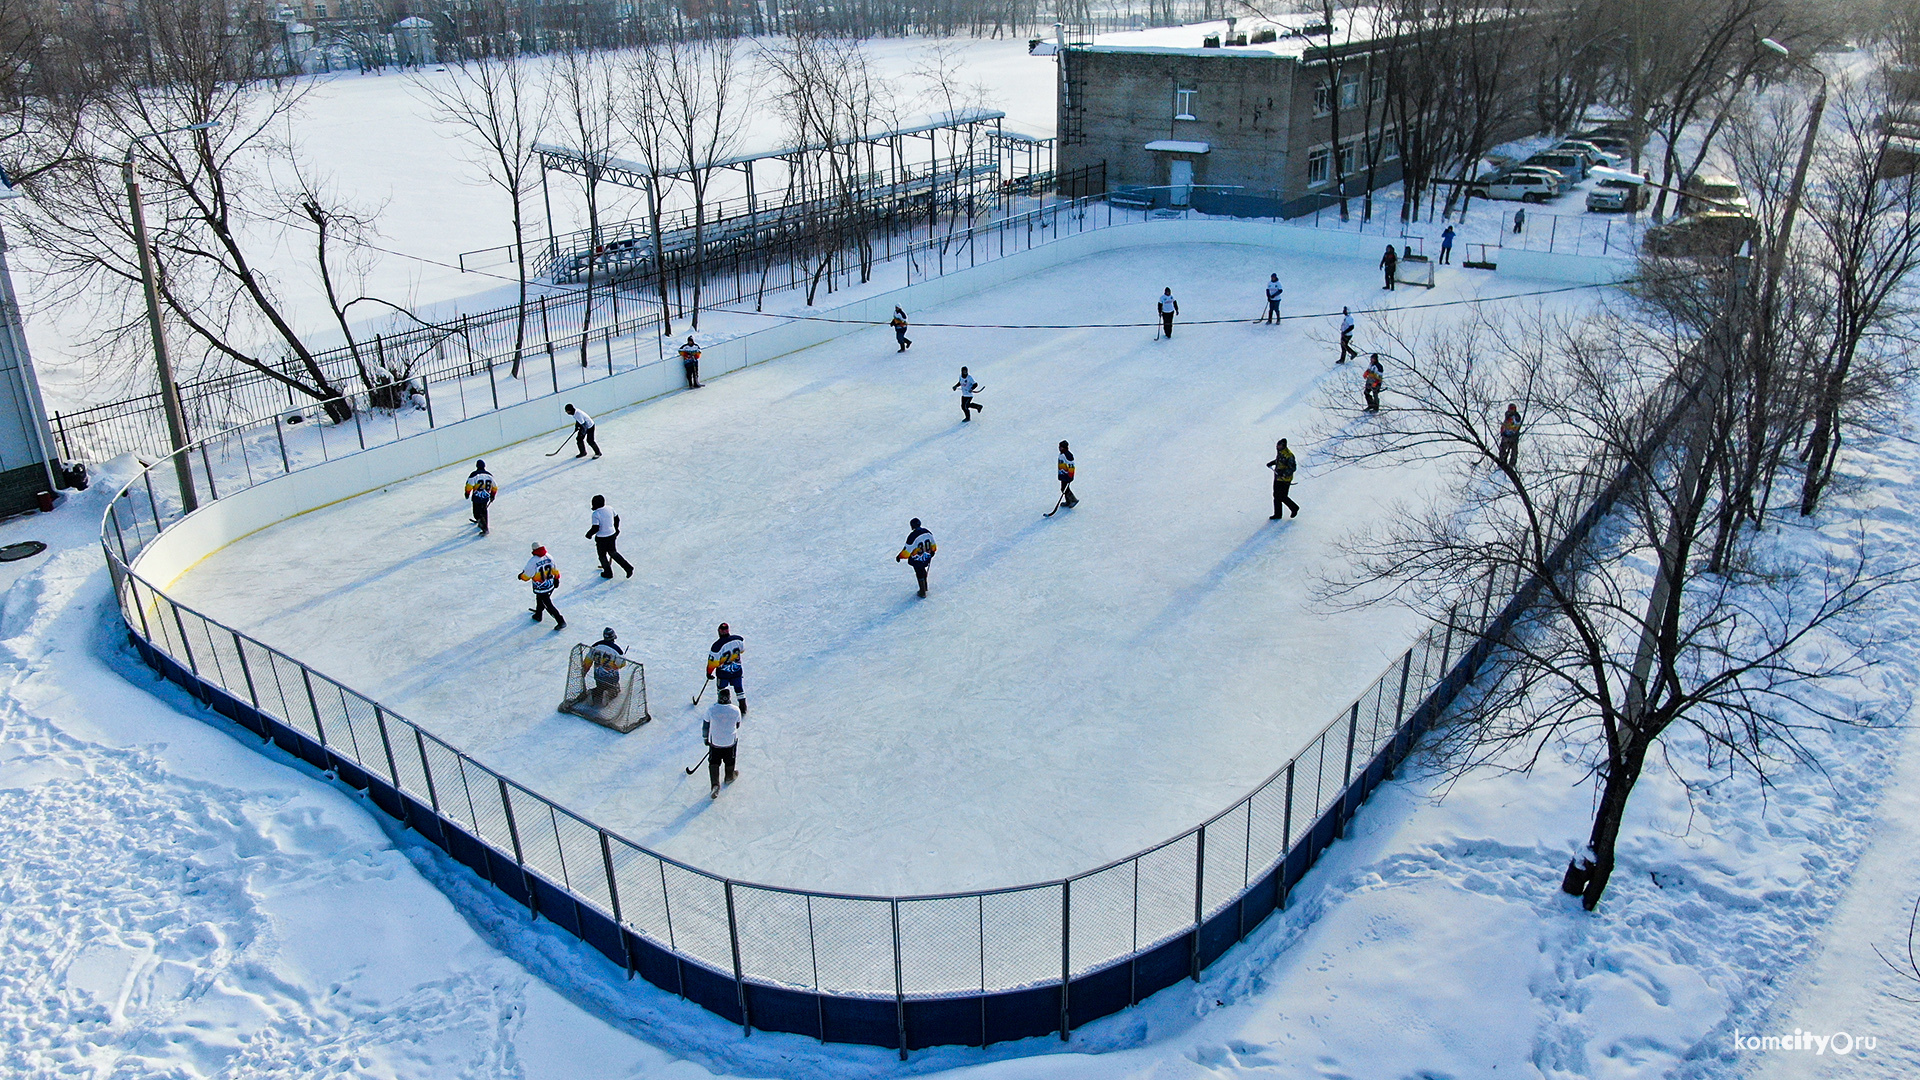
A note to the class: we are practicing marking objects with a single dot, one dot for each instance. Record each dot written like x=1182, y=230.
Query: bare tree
x=707, y=98
x=500, y=105
x=1868, y=229
x=587, y=99
x=1603, y=660
x=209, y=188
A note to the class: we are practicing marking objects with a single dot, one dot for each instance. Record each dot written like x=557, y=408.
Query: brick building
x=1166, y=108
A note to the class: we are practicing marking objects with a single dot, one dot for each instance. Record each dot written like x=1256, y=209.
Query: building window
x=1378, y=90
x=1323, y=99
x=1350, y=93
x=1183, y=104
x=1389, y=146
x=1319, y=166
x=1349, y=157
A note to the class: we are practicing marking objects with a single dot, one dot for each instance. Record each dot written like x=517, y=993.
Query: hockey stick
x=702, y=761
x=1056, y=504
x=562, y=446
x=703, y=689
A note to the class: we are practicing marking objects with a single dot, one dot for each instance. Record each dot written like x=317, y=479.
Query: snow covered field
x=1074, y=689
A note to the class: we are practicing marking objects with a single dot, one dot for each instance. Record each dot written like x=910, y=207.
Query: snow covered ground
x=175, y=903
x=1074, y=689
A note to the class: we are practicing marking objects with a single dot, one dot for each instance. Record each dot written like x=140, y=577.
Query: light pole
x=1777, y=253
x=169, y=392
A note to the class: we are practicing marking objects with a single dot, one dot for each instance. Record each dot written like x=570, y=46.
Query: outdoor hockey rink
x=1072, y=690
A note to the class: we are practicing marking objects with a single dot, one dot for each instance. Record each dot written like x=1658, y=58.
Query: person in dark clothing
x=723, y=663
x=1063, y=471
x=583, y=432
x=605, y=533
x=1520, y=219
x=481, y=491
x=1510, y=436
x=1390, y=262
x=918, y=551
x=1282, y=466
x=1446, y=245
x=690, y=362
x=1274, y=289
x=1168, y=308
x=899, y=324
x=1374, y=377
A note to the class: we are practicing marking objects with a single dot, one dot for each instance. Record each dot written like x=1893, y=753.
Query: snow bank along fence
x=900, y=971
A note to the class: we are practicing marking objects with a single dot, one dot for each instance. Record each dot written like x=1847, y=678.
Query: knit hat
x=539, y=549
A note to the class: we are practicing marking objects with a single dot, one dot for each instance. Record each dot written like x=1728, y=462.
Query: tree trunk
x=1622, y=773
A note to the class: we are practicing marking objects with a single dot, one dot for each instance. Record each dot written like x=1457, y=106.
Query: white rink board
x=1074, y=689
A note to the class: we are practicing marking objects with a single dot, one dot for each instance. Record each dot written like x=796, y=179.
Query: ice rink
x=1072, y=690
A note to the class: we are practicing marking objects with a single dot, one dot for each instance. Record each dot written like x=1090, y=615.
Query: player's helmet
x=608, y=634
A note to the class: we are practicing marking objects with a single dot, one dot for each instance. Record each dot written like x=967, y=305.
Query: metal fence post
x=613, y=895
x=386, y=744
x=513, y=834
x=739, y=977
x=426, y=769
x=1199, y=899
x=1286, y=841
x=313, y=705
x=426, y=391
x=281, y=436
x=1066, y=957
x=899, y=985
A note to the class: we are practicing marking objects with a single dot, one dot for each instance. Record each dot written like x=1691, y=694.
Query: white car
x=1523, y=186
x=1594, y=154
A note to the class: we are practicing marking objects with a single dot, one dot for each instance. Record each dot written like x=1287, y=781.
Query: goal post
x=1414, y=270
x=620, y=704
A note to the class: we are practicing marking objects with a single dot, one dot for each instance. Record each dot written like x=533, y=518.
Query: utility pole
x=163, y=365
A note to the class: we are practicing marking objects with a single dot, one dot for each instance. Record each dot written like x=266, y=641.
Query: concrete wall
x=220, y=523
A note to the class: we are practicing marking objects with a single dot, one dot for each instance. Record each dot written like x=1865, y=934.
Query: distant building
x=1195, y=109
x=413, y=41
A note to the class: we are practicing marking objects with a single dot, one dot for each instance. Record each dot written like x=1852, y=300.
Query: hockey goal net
x=1414, y=270
x=620, y=705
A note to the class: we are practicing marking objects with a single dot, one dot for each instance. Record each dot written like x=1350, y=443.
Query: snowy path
x=1074, y=688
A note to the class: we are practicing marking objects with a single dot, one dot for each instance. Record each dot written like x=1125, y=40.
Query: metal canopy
x=627, y=173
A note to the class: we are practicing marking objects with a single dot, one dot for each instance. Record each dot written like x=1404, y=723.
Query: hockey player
x=1390, y=262
x=1274, y=289
x=690, y=362
x=583, y=432
x=968, y=387
x=899, y=324
x=1168, y=308
x=1375, y=376
x=1510, y=436
x=723, y=737
x=918, y=551
x=545, y=578
x=1063, y=471
x=605, y=532
x=1282, y=466
x=1346, y=337
x=480, y=493
x=1446, y=245
x=723, y=663
x=604, y=662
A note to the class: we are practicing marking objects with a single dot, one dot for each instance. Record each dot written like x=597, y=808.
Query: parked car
x=1617, y=195
x=1561, y=185
x=1572, y=164
x=1592, y=152
x=1620, y=133
x=1617, y=145
x=1710, y=232
x=1706, y=192
x=1524, y=186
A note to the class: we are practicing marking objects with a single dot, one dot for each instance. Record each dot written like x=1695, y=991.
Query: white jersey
x=723, y=724
x=1346, y=326
x=603, y=522
x=1168, y=305
x=1273, y=290
x=581, y=420
x=967, y=386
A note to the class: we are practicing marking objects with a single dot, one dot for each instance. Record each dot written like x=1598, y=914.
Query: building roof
x=1355, y=25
